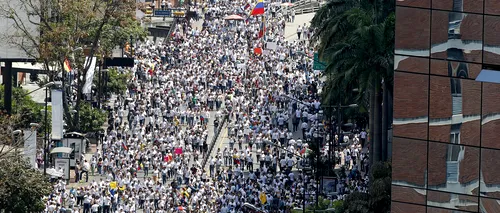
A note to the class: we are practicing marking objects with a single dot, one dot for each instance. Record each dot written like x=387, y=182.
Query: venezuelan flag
x=258, y=9
x=67, y=67
x=262, y=30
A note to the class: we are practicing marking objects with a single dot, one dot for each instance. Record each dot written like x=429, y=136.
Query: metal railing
x=214, y=141
x=307, y=10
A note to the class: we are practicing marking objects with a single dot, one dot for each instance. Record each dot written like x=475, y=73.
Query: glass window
x=490, y=173
x=397, y=207
x=410, y=105
x=491, y=116
x=452, y=201
x=489, y=205
x=440, y=210
x=454, y=114
x=492, y=39
x=414, y=3
x=408, y=194
x=455, y=69
x=409, y=152
x=411, y=64
x=473, y=6
x=492, y=7
x=456, y=36
x=453, y=168
x=412, y=31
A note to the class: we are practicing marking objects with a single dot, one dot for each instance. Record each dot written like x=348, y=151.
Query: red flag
x=257, y=51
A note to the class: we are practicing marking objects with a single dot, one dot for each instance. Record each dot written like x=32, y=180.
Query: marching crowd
x=152, y=155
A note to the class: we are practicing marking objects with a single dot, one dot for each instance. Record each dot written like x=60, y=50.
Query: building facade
x=446, y=124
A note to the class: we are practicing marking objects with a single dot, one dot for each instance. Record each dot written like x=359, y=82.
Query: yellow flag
x=112, y=185
x=263, y=198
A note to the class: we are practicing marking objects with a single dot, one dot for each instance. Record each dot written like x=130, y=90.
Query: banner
x=57, y=115
x=87, y=87
x=30, y=147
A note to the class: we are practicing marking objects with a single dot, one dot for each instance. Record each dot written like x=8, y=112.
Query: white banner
x=272, y=45
x=57, y=114
x=30, y=147
x=87, y=87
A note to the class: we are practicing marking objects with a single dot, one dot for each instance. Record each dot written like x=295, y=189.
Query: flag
x=124, y=146
x=247, y=6
x=258, y=9
x=257, y=51
x=262, y=30
x=67, y=68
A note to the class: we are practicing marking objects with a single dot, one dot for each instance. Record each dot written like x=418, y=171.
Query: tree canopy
x=71, y=31
x=21, y=187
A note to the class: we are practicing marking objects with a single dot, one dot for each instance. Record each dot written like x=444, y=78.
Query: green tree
x=21, y=187
x=112, y=82
x=91, y=119
x=72, y=30
x=356, y=39
x=27, y=110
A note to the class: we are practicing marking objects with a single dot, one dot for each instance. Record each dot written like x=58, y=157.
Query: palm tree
x=356, y=39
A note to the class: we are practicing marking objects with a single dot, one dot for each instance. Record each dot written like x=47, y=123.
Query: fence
x=214, y=140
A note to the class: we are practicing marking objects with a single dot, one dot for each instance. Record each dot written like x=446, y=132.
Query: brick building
x=446, y=122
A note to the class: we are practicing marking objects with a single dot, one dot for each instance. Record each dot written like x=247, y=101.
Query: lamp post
x=46, y=127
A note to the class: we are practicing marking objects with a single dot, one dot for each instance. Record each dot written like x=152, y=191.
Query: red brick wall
x=411, y=101
x=439, y=27
x=440, y=197
x=437, y=164
x=471, y=27
x=492, y=29
x=415, y=3
x=414, y=64
x=440, y=98
x=490, y=205
x=471, y=97
x=409, y=159
x=490, y=132
x=492, y=7
x=440, y=133
x=490, y=167
x=417, y=130
x=470, y=133
x=475, y=6
x=412, y=28
x=407, y=194
x=469, y=166
x=491, y=98
x=406, y=208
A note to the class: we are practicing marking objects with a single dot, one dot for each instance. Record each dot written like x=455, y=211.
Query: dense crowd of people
x=152, y=156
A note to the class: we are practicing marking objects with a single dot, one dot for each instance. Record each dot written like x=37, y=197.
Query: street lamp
x=46, y=135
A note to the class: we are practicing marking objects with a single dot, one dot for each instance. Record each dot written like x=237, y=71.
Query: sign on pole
x=318, y=65
x=167, y=13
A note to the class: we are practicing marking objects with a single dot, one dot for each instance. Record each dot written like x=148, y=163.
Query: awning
x=64, y=150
